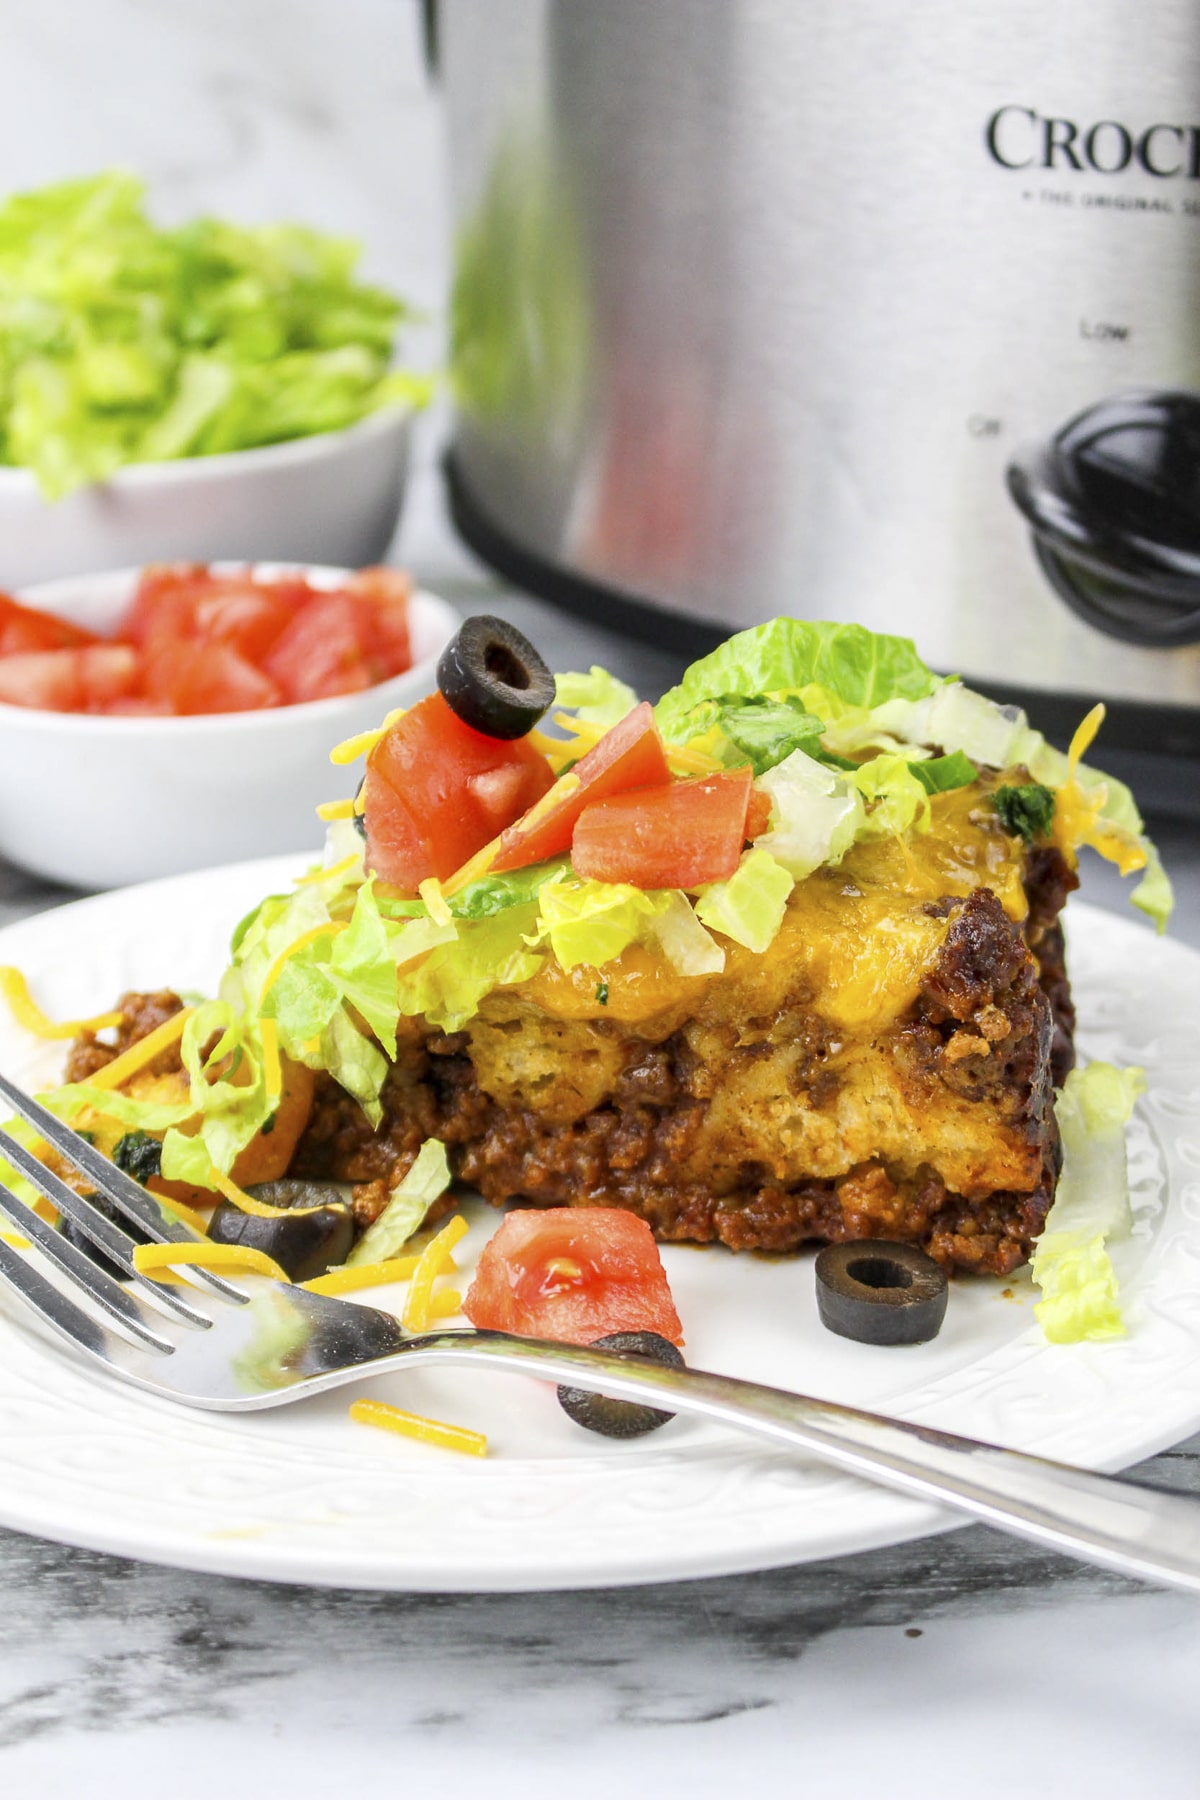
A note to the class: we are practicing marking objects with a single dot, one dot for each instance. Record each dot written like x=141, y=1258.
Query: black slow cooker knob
x=1113, y=500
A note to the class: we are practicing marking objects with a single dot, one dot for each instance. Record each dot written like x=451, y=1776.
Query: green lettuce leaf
x=597, y=696
x=750, y=905
x=816, y=814
x=941, y=774
x=763, y=732
x=1070, y=1261
x=121, y=342
x=896, y=797
x=449, y=983
x=591, y=922
x=426, y=1181
x=860, y=667
x=681, y=937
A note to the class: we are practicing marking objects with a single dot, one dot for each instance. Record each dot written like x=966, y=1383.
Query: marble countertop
x=966, y=1656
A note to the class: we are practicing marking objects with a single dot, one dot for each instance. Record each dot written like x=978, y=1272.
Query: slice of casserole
x=796, y=975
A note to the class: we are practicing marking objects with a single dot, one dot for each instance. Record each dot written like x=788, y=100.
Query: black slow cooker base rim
x=1159, y=733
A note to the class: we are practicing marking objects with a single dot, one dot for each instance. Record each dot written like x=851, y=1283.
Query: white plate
x=301, y=1494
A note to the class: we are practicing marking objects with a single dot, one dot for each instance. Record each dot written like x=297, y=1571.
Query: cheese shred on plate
x=26, y=1011
x=351, y=1276
x=432, y=1264
x=412, y=1425
x=225, y=1259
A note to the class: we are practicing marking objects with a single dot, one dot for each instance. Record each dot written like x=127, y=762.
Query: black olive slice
x=621, y=1418
x=306, y=1242
x=74, y=1234
x=494, y=679
x=880, y=1293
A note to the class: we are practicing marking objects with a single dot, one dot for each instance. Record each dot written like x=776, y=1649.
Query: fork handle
x=1138, y=1531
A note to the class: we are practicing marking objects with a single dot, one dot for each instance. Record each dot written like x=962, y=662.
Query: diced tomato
x=381, y=598
x=137, y=706
x=680, y=835
x=758, y=814
x=214, y=678
x=249, y=617
x=42, y=678
x=107, y=674
x=320, y=653
x=630, y=755
x=161, y=587
x=436, y=792
x=217, y=642
x=83, y=680
x=25, y=628
x=572, y=1273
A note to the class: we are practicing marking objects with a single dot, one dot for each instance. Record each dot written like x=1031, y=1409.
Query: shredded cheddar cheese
x=412, y=1425
x=329, y=929
x=185, y=1214
x=1078, y=810
x=432, y=1264
x=584, y=731
x=351, y=748
x=350, y=1277
x=268, y=1033
x=335, y=809
x=118, y=1071
x=26, y=1011
x=13, y=1241
x=555, y=750
x=445, y=1305
x=431, y=893
x=478, y=865
x=685, y=759
x=248, y=1204
x=224, y=1259
x=332, y=873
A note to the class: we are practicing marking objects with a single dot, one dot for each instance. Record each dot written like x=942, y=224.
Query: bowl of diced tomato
x=167, y=719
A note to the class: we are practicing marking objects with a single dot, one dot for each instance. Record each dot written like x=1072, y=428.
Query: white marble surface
x=965, y=1660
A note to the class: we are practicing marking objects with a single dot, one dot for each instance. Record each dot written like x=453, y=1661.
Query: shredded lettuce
x=1070, y=1260
x=123, y=343
x=490, y=894
x=956, y=718
x=449, y=983
x=426, y=1181
x=783, y=657
x=897, y=800
x=816, y=815
x=941, y=774
x=597, y=696
x=591, y=922
x=750, y=905
x=681, y=937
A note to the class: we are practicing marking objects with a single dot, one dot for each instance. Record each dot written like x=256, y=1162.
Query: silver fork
x=265, y=1343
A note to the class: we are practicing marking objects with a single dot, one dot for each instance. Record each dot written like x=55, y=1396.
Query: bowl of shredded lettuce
x=197, y=391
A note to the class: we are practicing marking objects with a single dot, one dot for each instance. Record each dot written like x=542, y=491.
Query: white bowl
x=332, y=499
x=100, y=801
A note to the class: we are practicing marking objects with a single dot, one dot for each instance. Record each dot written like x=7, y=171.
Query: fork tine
x=81, y=1269
x=106, y=1236
x=53, y=1307
x=110, y=1181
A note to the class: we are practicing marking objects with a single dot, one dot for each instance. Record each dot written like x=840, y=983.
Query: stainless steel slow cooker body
x=767, y=308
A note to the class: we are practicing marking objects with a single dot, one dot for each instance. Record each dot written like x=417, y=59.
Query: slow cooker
x=844, y=311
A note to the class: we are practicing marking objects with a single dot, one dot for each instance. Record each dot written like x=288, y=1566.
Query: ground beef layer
x=751, y=1112
x=885, y=1069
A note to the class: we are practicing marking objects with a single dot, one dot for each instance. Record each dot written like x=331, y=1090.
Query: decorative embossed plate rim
x=303, y=1495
